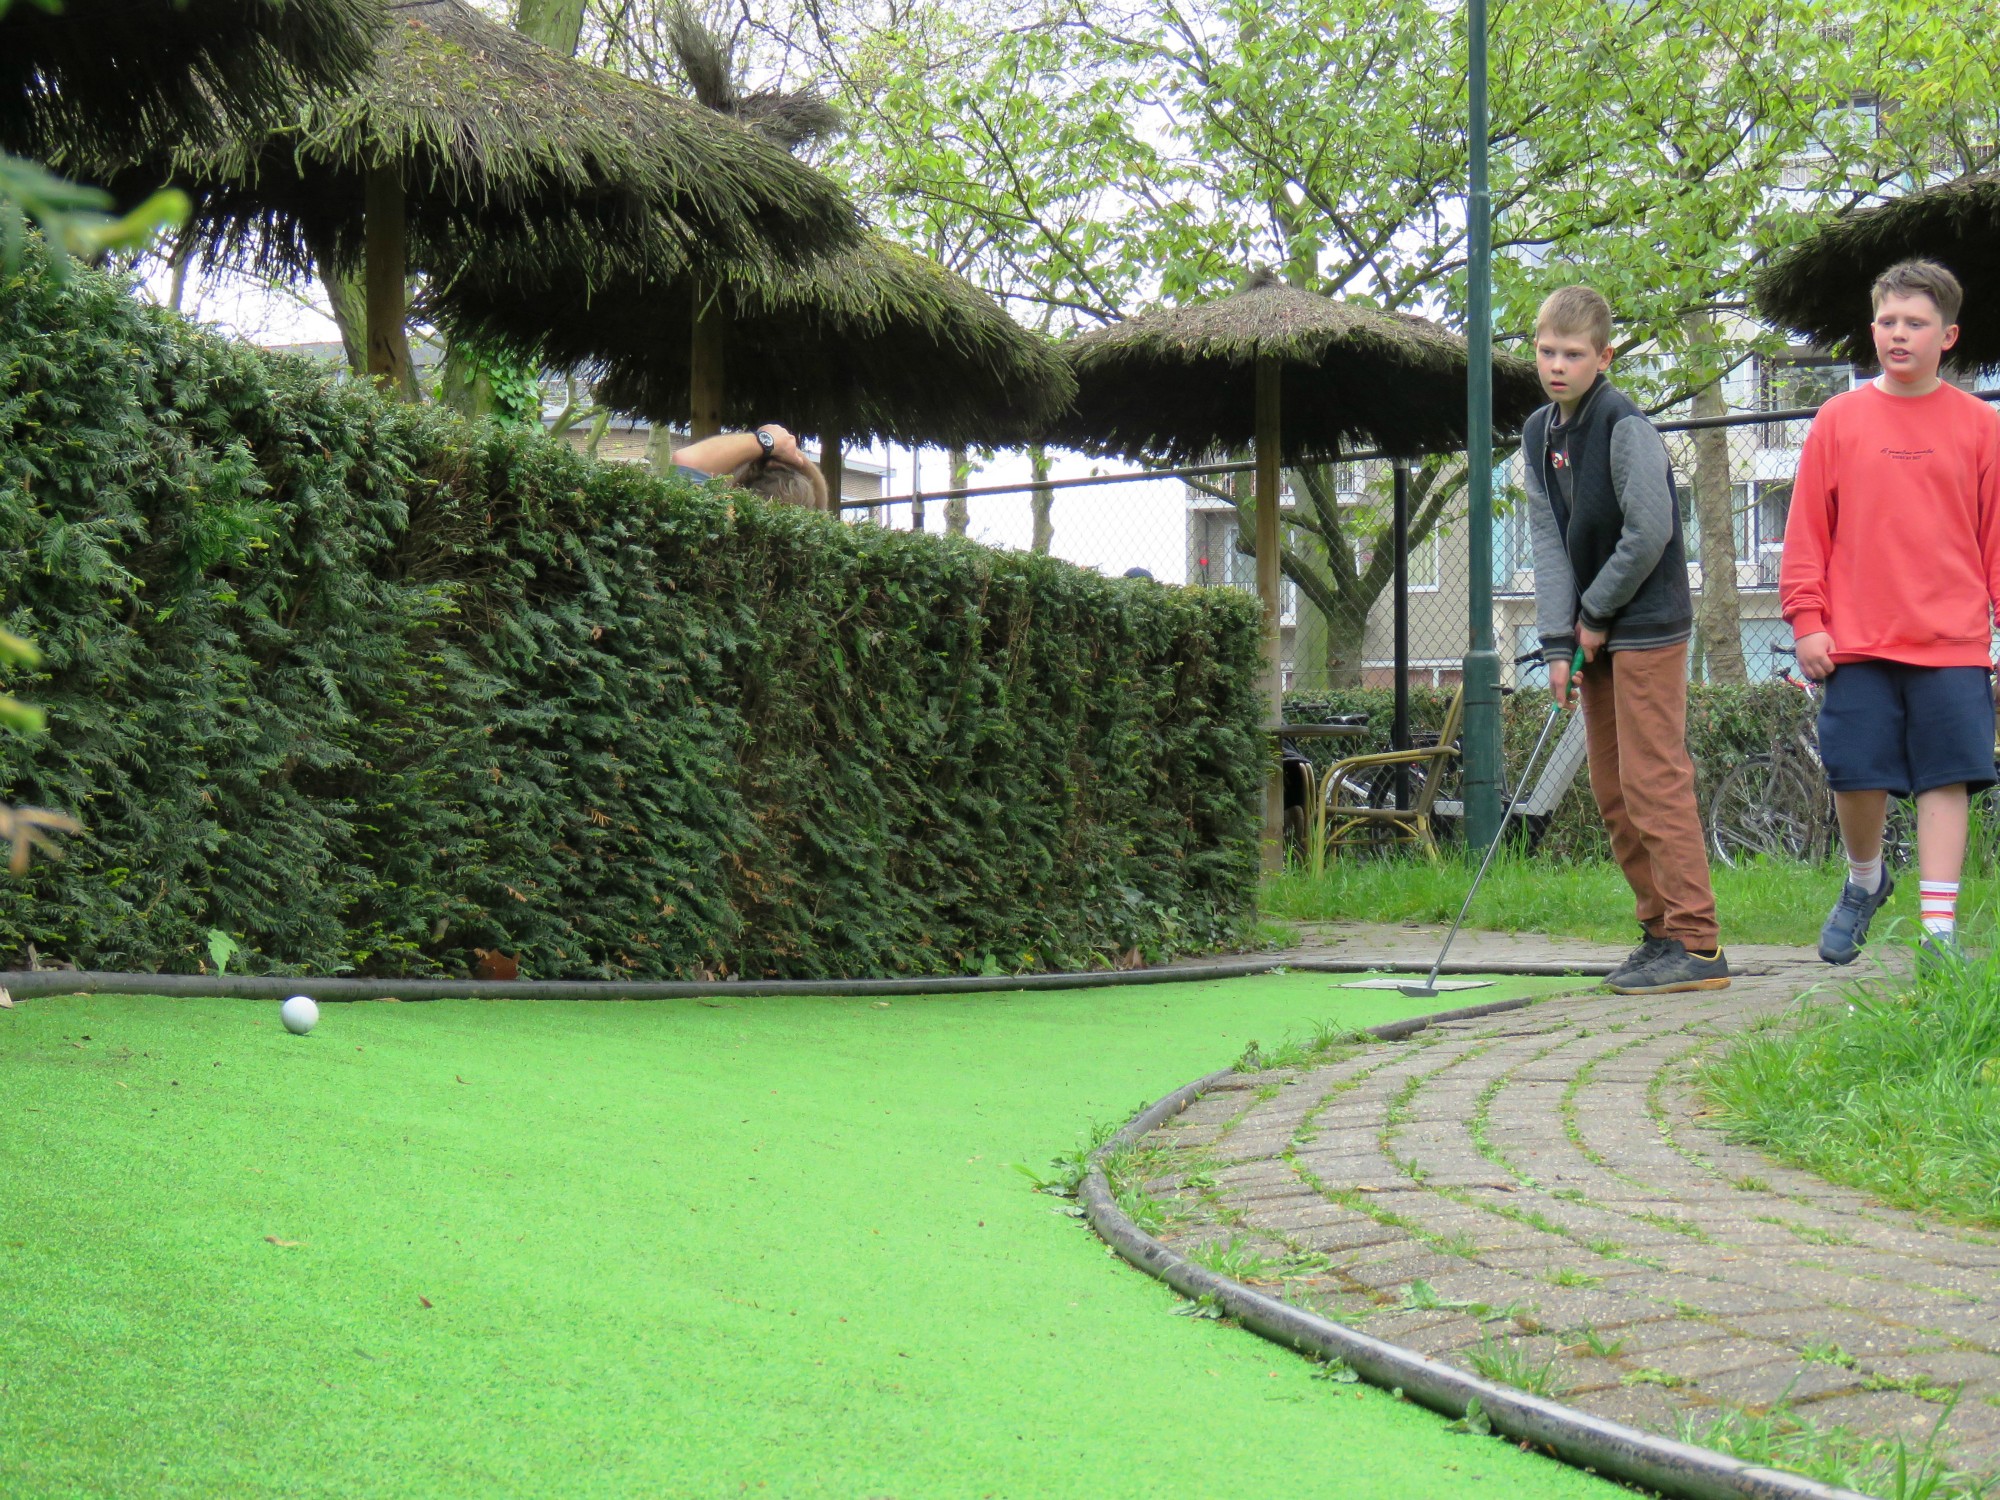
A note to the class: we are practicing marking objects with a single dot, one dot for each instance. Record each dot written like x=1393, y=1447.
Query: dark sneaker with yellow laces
x=1639, y=957
x=1675, y=970
x=1847, y=924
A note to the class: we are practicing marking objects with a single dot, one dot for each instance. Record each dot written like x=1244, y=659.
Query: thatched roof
x=1820, y=288
x=1181, y=382
x=876, y=341
x=102, y=73
x=493, y=133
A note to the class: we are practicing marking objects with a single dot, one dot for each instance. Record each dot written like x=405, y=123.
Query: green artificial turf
x=772, y=1247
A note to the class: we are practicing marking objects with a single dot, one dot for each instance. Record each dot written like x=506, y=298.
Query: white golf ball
x=299, y=1014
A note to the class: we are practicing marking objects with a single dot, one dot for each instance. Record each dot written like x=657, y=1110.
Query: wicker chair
x=1345, y=792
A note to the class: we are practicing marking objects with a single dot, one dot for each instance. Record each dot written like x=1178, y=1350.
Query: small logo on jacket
x=1908, y=455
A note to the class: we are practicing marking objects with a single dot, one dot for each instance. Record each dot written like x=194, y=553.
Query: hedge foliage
x=367, y=688
x=1725, y=724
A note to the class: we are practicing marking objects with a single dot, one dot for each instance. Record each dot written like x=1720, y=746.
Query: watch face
x=766, y=441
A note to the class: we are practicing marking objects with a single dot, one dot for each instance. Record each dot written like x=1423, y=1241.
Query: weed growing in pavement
x=1751, y=1185
x=1780, y=1438
x=1266, y=1092
x=1570, y=1276
x=1234, y=1260
x=1672, y=1225
x=1605, y=1246
x=1509, y=1364
x=1584, y=1336
x=1826, y=1352
x=1464, y=1246
x=1922, y=1388
x=1650, y=1376
x=1893, y=1092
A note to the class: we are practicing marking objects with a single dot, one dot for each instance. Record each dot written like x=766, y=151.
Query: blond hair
x=1919, y=278
x=1576, y=310
x=788, y=484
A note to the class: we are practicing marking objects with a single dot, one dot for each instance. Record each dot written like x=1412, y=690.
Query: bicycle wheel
x=1899, y=833
x=1766, y=810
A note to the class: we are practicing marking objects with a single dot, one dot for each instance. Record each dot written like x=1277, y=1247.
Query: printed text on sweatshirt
x=1893, y=543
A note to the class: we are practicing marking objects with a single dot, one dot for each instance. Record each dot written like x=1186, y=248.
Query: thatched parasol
x=1290, y=374
x=95, y=75
x=466, y=131
x=1820, y=288
x=875, y=341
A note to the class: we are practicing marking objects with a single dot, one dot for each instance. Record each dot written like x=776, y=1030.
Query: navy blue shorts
x=1887, y=727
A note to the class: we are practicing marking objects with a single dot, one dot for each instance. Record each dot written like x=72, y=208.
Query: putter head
x=1418, y=991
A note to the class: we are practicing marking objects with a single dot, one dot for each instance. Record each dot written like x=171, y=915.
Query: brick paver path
x=1538, y=1190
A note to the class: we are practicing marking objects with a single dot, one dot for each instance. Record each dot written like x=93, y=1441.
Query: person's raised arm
x=728, y=451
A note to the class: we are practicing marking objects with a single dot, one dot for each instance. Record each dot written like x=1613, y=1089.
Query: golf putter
x=1428, y=989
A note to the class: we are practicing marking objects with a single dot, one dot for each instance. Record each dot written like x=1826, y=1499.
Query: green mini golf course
x=681, y=1248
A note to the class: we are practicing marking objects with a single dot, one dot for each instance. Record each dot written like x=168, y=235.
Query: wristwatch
x=766, y=442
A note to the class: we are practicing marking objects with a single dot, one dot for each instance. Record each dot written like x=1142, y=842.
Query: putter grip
x=1575, y=675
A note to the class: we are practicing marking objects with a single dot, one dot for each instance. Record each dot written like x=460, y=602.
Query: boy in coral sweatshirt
x=1890, y=578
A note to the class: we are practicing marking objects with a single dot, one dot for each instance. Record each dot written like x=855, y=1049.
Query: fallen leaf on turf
x=461, y=1080
x=712, y=1004
x=425, y=1300
x=282, y=1244
x=6, y=1000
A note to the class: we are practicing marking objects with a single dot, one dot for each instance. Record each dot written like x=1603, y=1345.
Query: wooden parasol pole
x=385, y=245
x=706, y=362
x=1268, y=574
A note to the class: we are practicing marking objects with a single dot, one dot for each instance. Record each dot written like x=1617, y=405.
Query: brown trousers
x=1635, y=719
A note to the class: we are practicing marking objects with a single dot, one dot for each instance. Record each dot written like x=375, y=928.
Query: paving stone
x=1730, y=1308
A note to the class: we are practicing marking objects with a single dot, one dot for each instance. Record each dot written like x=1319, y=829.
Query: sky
x=1113, y=528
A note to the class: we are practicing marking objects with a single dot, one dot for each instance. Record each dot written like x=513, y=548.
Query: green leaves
x=369, y=687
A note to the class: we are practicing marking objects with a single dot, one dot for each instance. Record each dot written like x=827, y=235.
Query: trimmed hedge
x=1725, y=724
x=367, y=688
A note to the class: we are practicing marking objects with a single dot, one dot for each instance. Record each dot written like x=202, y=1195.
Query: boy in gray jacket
x=1611, y=577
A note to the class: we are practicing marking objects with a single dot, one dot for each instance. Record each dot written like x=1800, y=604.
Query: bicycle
x=1778, y=805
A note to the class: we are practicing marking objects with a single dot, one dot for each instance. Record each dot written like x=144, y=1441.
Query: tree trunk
x=1718, y=612
x=388, y=292
x=955, y=514
x=556, y=24
x=659, y=448
x=462, y=386
x=707, y=357
x=348, y=299
x=1346, y=635
x=1041, y=501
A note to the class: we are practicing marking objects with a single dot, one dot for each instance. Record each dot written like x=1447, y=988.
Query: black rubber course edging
x=28, y=984
x=1609, y=1448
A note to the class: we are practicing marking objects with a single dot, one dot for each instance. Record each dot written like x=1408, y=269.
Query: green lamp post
x=1482, y=663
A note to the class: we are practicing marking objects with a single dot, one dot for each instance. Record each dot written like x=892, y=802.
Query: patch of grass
x=1891, y=1088
x=1464, y=1246
x=1508, y=1363
x=1779, y=1438
x=1585, y=899
x=1605, y=1246
x=1826, y=1352
x=1570, y=1276
x=1751, y=1185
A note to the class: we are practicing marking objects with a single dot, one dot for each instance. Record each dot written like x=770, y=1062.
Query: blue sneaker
x=1847, y=926
x=1938, y=954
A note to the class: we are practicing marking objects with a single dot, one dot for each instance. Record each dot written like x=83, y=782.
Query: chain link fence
x=1734, y=474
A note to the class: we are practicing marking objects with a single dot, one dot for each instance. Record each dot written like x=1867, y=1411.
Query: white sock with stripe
x=1866, y=874
x=1940, y=904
